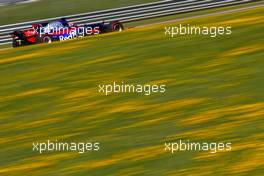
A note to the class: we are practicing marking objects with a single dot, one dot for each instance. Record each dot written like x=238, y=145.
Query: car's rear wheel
x=15, y=43
x=18, y=38
x=38, y=39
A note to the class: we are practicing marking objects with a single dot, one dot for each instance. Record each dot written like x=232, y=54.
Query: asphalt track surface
x=128, y=14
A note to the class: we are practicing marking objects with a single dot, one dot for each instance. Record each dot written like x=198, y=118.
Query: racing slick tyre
x=38, y=39
x=114, y=27
x=117, y=27
x=46, y=39
x=19, y=39
x=15, y=43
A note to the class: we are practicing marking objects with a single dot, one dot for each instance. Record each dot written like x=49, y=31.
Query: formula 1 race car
x=61, y=30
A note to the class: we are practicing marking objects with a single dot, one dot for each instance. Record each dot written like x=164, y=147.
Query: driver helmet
x=71, y=24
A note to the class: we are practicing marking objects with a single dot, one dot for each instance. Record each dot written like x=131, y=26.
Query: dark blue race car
x=60, y=30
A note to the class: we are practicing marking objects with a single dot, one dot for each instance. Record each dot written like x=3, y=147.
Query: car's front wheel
x=118, y=27
x=46, y=39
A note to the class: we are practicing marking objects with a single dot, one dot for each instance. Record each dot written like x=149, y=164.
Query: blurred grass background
x=192, y=14
x=214, y=93
x=50, y=8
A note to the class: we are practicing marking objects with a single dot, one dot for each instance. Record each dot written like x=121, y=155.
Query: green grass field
x=214, y=93
x=50, y=8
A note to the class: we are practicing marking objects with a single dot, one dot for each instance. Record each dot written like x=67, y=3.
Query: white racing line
x=16, y=2
x=143, y=10
x=188, y=9
x=81, y=14
x=201, y=16
x=104, y=13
